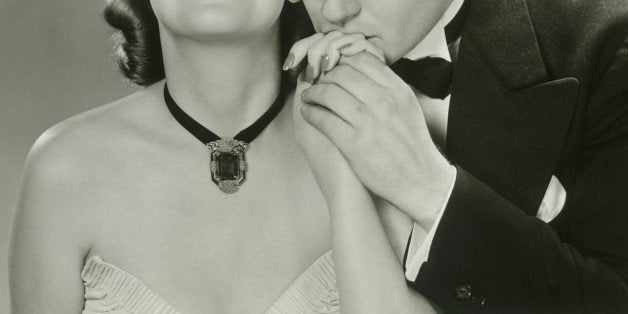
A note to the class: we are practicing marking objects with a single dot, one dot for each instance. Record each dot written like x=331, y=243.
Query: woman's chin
x=201, y=19
x=224, y=32
x=220, y=19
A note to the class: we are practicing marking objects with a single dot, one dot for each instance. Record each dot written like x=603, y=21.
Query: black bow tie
x=432, y=76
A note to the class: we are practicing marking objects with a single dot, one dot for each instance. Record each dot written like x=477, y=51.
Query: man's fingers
x=328, y=123
x=371, y=96
x=364, y=45
x=334, y=98
x=373, y=68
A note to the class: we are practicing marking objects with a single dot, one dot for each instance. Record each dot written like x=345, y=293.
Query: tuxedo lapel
x=504, y=35
x=507, y=123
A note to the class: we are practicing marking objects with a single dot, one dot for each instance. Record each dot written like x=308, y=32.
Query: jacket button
x=478, y=300
x=463, y=292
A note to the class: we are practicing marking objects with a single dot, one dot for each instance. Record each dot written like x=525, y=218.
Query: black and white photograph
x=314, y=156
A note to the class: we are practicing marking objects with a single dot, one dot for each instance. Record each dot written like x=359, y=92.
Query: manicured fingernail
x=309, y=74
x=288, y=63
x=325, y=63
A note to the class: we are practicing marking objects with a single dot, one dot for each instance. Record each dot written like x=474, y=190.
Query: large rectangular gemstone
x=228, y=165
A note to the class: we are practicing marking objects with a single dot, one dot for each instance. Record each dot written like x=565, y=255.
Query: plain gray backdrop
x=55, y=61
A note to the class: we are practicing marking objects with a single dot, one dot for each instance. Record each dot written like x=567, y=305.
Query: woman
x=119, y=211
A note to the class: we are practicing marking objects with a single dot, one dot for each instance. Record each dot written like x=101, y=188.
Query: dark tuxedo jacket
x=540, y=88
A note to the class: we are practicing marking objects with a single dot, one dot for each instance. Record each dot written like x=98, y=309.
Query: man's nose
x=340, y=11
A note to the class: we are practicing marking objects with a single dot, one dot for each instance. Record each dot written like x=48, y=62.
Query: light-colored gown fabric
x=109, y=289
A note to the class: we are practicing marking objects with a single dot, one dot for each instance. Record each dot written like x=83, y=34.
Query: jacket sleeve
x=488, y=256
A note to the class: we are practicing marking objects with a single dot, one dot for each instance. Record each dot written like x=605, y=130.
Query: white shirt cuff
x=418, y=251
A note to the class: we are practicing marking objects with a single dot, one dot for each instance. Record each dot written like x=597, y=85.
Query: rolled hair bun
x=138, y=47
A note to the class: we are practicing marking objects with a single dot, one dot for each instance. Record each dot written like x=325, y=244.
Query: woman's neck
x=225, y=85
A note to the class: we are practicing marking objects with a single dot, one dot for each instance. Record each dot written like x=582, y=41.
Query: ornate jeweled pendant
x=228, y=164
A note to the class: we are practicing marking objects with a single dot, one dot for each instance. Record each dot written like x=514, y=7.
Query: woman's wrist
x=348, y=195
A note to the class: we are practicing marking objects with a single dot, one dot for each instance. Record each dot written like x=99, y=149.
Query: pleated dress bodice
x=109, y=289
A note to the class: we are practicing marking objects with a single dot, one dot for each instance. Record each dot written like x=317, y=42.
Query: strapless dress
x=109, y=289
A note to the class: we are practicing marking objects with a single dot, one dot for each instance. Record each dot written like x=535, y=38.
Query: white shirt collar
x=435, y=43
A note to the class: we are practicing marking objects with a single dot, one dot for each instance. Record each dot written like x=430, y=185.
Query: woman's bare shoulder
x=75, y=164
x=96, y=137
x=102, y=120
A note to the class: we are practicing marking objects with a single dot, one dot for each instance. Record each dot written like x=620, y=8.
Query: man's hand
x=375, y=121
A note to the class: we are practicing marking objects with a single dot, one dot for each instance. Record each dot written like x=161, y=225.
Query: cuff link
x=465, y=293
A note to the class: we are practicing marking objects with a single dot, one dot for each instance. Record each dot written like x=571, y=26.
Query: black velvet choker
x=228, y=163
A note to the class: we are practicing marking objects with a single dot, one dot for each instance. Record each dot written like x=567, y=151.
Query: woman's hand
x=374, y=119
x=324, y=51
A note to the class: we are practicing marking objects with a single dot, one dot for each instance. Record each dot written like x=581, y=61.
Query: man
x=537, y=127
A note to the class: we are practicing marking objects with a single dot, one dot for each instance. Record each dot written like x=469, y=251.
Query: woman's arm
x=370, y=274
x=49, y=240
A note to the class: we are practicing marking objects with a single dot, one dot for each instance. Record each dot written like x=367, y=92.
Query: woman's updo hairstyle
x=138, y=47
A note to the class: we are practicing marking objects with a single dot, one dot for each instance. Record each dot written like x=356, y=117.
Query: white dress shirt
x=436, y=112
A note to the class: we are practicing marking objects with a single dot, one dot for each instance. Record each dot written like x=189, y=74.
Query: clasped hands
x=352, y=110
